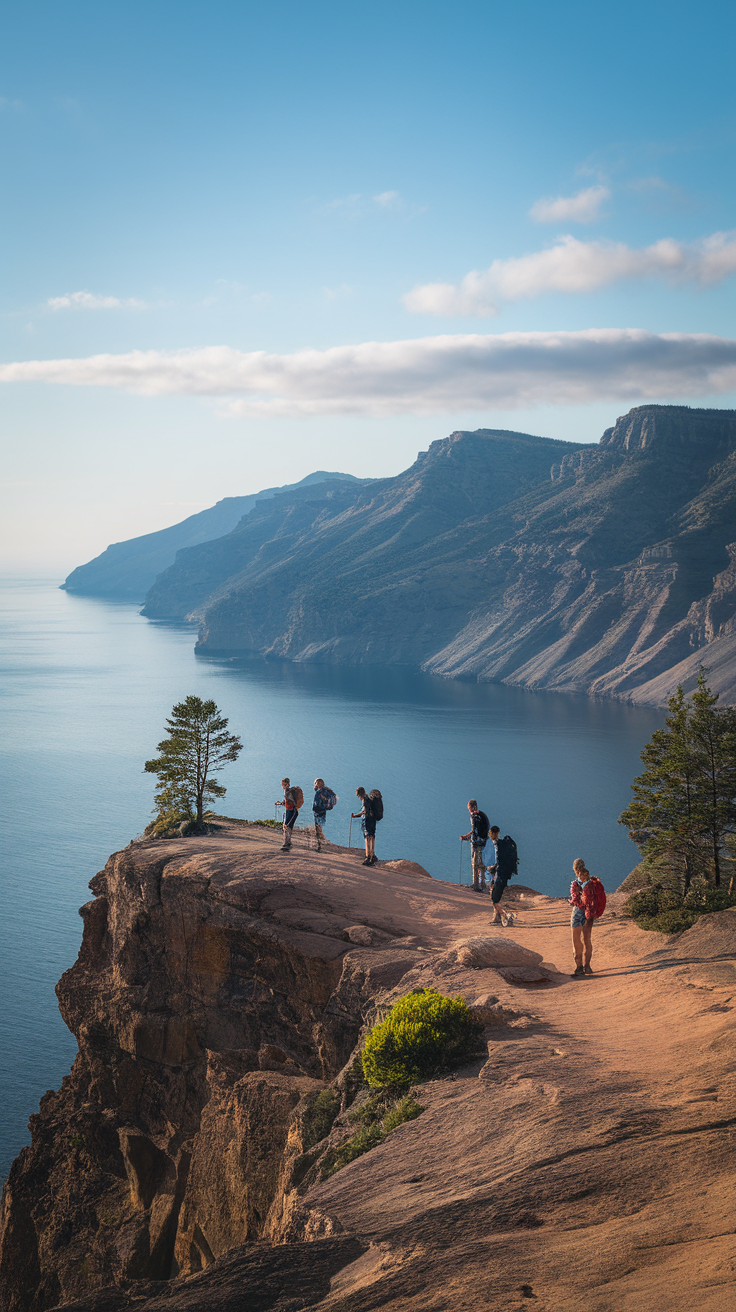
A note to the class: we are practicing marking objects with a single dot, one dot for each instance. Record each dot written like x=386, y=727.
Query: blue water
x=85, y=687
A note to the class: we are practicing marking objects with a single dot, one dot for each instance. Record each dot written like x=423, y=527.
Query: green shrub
x=662, y=907
x=405, y=1110
x=379, y=1115
x=423, y=1034
x=319, y=1114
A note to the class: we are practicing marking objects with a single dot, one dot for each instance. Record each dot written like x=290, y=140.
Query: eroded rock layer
x=219, y=999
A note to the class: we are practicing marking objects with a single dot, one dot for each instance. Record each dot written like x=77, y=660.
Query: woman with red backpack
x=588, y=901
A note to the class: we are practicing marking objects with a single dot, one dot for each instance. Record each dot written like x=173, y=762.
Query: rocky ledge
x=219, y=1000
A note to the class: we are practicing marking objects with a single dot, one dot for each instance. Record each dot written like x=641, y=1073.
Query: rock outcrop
x=606, y=569
x=219, y=999
x=126, y=570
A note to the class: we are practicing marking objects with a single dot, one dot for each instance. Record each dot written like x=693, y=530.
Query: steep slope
x=373, y=574
x=219, y=1001
x=497, y=556
x=126, y=570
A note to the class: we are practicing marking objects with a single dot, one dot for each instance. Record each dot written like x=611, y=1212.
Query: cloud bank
x=425, y=376
x=92, y=301
x=582, y=208
x=576, y=266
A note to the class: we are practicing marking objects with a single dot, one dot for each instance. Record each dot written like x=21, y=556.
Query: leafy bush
x=319, y=1114
x=662, y=906
x=423, y=1034
x=379, y=1115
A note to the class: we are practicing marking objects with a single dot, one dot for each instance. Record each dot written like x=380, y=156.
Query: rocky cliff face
x=126, y=570
x=497, y=556
x=218, y=998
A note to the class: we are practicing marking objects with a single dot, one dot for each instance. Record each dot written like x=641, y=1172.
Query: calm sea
x=85, y=689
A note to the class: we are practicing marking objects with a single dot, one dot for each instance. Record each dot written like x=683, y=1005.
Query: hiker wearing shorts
x=582, y=900
x=368, y=825
x=478, y=837
x=499, y=880
x=319, y=810
x=290, y=814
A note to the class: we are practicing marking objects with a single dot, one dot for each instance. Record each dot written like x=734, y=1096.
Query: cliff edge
x=219, y=1000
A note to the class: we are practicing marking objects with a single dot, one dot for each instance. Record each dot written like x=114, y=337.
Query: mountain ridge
x=126, y=570
x=496, y=556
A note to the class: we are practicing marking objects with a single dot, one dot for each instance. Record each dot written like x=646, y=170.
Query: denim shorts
x=320, y=819
x=577, y=919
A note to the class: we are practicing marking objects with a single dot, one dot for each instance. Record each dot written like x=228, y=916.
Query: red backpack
x=599, y=892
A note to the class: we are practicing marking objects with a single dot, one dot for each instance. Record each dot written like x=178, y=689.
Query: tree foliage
x=197, y=747
x=683, y=813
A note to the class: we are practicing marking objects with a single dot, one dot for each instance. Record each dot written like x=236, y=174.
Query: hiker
x=585, y=902
x=291, y=803
x=504, y=865
x=368, y=819
x=478, y=837
x=324, y=800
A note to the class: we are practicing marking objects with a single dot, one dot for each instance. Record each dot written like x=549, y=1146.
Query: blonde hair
x=578, y=864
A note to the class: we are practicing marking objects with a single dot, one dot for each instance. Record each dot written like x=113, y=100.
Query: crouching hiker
x=478, y=837
x=588, y=902
x=324, y=800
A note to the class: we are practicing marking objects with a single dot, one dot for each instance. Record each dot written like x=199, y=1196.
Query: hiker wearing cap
x=324, y=800
x=478, y=837
x=500, y=876
x=368, y=825
x=585, y=902
x=291, y=812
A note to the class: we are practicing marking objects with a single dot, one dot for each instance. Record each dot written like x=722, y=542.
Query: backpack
x=298, y=796
x=376, y=804
x=600, y=897
x=508, y=857
x=330, y=798
x=482, y=825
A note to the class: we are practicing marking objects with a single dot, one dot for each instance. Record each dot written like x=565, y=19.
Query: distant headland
x=607, y=569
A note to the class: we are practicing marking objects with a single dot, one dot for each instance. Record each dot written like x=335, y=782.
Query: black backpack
x=482, y=825
x=508, y=857
x=376, y=804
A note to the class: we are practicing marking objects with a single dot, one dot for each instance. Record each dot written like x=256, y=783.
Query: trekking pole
x=460, y=871
x=350, y=833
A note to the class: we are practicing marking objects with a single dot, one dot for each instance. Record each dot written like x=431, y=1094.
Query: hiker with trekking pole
x=293, y=801
x=371, y=813
x=478, y=837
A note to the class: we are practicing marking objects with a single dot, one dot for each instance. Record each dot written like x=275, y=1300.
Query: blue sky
x=191, y=185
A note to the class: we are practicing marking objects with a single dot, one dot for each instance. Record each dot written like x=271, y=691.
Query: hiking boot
x=286, y=847
x=367, y=862
x=587, y=970
x=578, y=973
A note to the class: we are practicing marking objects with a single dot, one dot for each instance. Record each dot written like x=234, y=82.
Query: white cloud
x=576, y=266
x=92, y=301
x=388, y=200
x=431, y=375
x=582, y=208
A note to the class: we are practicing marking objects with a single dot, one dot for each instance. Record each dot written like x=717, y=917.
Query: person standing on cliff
x=290, y=814
x=500, y=876
x=478, y=837
x=368, y=825
x=324, y=800
x=583, y=901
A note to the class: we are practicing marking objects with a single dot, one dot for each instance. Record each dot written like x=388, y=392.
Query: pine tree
x=683, y=816
x=197, y=746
